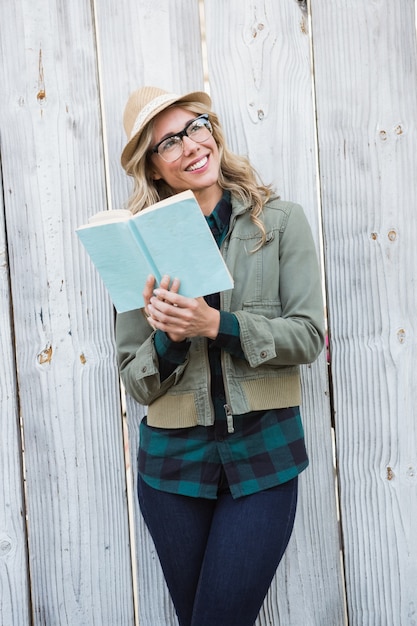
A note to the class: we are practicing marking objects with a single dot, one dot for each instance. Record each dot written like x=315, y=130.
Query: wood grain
x=14, y=584
x=52, y=161
x=365, y=71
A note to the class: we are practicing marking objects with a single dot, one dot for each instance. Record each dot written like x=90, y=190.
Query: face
x=198, y=166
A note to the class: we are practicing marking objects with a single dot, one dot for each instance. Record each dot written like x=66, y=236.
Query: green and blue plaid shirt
x=266, y=448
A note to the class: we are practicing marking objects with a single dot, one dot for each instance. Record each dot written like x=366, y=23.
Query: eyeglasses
x=171, y=148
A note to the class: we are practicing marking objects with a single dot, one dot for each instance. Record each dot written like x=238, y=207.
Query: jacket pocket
x=269, y=309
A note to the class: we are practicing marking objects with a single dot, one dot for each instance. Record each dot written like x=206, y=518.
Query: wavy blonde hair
x=236, y=173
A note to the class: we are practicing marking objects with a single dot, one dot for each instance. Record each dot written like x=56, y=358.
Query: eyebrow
x=168, y=135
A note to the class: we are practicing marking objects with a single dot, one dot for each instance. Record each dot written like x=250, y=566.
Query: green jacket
x=278, y=302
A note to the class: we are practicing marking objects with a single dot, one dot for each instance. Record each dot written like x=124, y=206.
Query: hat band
x=152, y=105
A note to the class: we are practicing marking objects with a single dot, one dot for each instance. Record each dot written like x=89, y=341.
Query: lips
x=198, y=165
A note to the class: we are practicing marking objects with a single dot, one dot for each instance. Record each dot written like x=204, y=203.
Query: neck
x=208, y=198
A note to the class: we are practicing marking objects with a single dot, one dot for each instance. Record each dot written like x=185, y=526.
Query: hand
x=178, y=316
x=149, y=289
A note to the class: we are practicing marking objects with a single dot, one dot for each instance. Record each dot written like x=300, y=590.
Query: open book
x=170, y=237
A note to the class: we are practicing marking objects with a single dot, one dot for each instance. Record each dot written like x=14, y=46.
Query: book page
x=109, y=216
x=179, y=240
x=119, y=261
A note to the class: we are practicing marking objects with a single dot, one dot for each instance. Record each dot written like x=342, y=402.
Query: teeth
x=197, y=165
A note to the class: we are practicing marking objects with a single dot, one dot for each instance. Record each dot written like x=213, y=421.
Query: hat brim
x=195, y=96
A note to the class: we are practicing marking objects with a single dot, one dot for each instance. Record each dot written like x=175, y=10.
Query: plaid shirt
x=266, y=448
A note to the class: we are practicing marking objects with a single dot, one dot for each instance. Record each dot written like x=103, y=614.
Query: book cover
x=170, y=237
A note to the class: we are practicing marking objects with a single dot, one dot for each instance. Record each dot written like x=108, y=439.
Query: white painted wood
x=68, y=386
x=260, y=80
x=366, y=78
x=14, y=589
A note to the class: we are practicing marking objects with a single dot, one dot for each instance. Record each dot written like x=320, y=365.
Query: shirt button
x=144, y=369
x=264, y=354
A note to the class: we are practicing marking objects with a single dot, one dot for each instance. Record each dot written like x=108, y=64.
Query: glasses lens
x=199, y=130
x=171, y=149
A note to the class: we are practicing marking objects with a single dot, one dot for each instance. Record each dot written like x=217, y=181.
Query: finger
x=161, y=310
x=151, y=322
x=172, y=297
x=150, y=282
x=148, y=315
x=168, y=313
x=164, y=282
x=175, y=285
x=148, y=289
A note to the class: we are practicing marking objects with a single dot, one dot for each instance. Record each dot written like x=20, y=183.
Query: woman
x=222, y=444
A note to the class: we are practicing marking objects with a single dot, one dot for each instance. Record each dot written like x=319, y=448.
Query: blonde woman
x=222, y=444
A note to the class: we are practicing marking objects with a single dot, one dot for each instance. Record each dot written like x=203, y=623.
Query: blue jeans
x=219, y=556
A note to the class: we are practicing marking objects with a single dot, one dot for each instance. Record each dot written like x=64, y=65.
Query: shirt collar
x=219, y=218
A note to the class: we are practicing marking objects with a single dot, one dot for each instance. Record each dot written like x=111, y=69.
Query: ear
x=155, y=175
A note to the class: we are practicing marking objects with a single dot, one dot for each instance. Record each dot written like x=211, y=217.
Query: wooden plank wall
x=14, y=590
x=323, y=99
x=366, y=80
x=66, y=380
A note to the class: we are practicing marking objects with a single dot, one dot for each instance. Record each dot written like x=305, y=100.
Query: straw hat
x=143, y=105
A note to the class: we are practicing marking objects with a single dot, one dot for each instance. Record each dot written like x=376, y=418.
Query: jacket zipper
x=227, y=408
x=229, y=419
x=205, y=351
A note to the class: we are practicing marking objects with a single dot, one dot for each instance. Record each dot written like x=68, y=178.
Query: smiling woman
x=196, y=164
x=222, y=444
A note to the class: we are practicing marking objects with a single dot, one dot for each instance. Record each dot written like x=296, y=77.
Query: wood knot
x=6, y=546
x=303, y=5
x=46, y=355
x=401, y=335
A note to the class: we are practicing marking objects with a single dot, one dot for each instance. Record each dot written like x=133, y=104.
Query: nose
x=189, y=145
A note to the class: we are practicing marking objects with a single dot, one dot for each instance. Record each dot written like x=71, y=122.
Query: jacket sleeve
x=296, y=336
x=138, y=359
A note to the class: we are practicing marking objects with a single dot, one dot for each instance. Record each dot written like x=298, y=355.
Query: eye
x=196, y=126
x=169, y=144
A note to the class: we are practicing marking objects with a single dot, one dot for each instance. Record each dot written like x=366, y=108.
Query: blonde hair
x=236, y=173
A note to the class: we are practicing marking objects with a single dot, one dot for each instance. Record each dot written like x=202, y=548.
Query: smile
x=196, y=166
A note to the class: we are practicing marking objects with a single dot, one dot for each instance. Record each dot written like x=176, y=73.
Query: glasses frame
x=183, y=133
